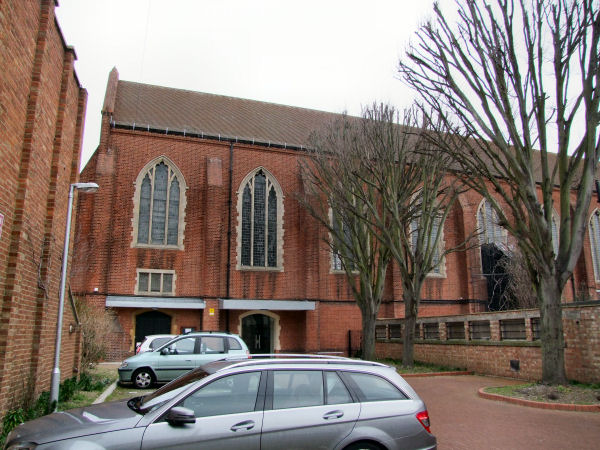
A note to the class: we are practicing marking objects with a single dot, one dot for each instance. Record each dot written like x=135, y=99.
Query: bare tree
x=387, y=199
x=519, y=292
x=335, y=197
x=508, y=83
x=414, y=195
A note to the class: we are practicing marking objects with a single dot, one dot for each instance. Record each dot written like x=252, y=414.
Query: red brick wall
x=582, y=347
x=41, y=122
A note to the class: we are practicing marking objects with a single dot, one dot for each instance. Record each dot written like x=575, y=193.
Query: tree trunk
x=368, y=335
x=552, y=337
x=408, y=347
x=411, y=311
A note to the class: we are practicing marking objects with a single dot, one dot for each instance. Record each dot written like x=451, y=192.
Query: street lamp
x=55, y=381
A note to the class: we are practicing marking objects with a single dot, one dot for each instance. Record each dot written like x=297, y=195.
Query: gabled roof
x=157, y=107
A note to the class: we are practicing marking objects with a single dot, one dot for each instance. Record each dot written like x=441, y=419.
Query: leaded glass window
x=340, y=224
x=159, y=207
x=489, y=226
x=555, y=233
x=595, y=242
x=259, y=222
x=437, y=251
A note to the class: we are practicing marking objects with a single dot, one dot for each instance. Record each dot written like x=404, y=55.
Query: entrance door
x=151, y=322
x=256, y=332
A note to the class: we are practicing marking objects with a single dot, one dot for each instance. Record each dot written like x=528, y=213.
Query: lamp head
x=86, y=187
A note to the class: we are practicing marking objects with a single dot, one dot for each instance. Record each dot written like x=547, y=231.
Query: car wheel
x=142, y=378
x=364, y=446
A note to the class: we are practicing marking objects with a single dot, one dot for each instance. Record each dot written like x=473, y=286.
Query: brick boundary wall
x=516, y=357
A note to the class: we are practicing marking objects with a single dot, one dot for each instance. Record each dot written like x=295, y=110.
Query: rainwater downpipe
x=229, y=205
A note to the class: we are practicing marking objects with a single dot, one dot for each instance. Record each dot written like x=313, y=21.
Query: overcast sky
x=327, y=54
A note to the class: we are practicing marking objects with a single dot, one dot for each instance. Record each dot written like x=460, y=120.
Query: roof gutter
x=209, y=136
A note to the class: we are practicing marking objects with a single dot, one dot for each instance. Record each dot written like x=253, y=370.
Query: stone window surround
x=333, y=253
x=182, y=204
x=482, y=238
x=503, y=245
x=441, y=246
x=280, y=212
x=594, y=229
x=150, y=292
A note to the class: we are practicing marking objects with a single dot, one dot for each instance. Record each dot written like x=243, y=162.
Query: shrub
x=96, y=326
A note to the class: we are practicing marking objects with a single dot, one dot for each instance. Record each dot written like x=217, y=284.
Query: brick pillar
x=313, y=339
x=210, y=317
x=495, y=330
x=443, y=331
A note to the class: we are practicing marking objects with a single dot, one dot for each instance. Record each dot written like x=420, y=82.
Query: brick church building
x=197, y=226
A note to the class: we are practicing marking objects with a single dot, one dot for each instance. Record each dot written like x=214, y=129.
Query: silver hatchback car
x=280, y=403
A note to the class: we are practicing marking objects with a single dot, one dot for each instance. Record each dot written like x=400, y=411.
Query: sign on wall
x=1, y=223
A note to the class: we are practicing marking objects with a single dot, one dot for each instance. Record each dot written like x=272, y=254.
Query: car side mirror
x=165, y=351
x=178, y=416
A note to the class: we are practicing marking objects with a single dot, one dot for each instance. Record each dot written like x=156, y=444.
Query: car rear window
x=372, y=388
x=234, y=344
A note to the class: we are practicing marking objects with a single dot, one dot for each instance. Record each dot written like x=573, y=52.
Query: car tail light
x=423, y=418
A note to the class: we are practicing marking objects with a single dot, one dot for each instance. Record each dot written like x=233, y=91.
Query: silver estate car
x=281, y=403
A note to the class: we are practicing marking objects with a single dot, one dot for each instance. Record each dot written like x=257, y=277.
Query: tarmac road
x=462, y=420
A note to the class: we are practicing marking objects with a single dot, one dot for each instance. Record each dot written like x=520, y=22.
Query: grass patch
x=574, y=393
x=125, y=392
x=419, y=367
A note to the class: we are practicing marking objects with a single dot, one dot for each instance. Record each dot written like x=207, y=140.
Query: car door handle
x=246, y=425
x=333, y=415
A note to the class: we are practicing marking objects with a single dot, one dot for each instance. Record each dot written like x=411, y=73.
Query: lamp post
x=55, y=380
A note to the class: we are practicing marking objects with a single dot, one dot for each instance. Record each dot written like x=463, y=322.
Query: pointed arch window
x=159, y=206
x=260, y=230
x=489, y=227
x=594, y=230
x=436, y=232
x=555, y=232
x=341, y=227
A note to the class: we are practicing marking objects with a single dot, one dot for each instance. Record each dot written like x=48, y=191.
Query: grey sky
x=329, y=55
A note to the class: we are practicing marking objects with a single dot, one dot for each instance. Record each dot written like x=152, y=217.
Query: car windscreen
x=147, y=403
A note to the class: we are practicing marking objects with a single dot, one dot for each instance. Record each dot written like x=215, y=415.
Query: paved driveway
x=462, y=420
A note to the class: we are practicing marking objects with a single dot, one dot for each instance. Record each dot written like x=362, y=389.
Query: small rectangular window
x=431, y=331
x=395, y=330
x=455, y=330
x=153, y=282
x=381, y=332
x=479, y=329
x=143, y=281
x=512, y=329
x=167, y=282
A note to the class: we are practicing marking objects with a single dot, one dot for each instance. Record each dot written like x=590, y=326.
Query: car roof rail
x=278, y=358
x=296, y=355
x=207, y=332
